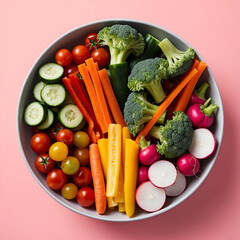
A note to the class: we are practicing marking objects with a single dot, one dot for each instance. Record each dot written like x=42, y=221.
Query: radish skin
x=142, y=174
x=149, y=197
x=203, y=143
x=178, y=187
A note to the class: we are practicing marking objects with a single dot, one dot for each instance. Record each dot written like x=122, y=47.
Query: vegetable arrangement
x=118, y=121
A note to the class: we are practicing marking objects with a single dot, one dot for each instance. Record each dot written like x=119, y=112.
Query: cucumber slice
x=51, y=72
x=37, y=90
x=70, y=116
x=80, y=126
x=48, y=122
x=35, y=113
x=53, y=94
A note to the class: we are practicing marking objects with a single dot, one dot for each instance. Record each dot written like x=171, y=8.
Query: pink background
x=28, y=27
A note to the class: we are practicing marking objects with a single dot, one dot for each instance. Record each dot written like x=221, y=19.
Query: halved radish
x=162, y=173
x=178, y=187
x=203, y=143
x=149, y=197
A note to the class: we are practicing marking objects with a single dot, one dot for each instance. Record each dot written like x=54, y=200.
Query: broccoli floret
x=179, y=61
x=138, y=110
x=122, y=41
x=175, y=136
x=148, y=74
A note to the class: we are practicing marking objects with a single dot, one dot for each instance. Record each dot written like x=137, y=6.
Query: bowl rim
x=101, y=217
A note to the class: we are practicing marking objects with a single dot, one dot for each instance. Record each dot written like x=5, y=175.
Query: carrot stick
x=111, y=99
x=99, y=91
x=93, y=136
x=167, y=101
x=93, y=96
x=98, y=179
x=186, y=93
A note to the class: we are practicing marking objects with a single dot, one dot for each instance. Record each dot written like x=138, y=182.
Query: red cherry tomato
x=54, y=131
x=101, y=56
x=43, y=163
x=56, y=179
x=83, y=177
x=66, y=136
x=85, y=197
x=63, y=57
x=80, y=53
x=91, y=41
x=72, y=68
x=40, y=143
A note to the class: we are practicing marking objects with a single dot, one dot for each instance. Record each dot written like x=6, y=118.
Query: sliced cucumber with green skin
x=80, y=126
x=37, y=90
x=51, y=72
x=35, y=114
x=70, y=116
x=48, y=122
x=53, y=94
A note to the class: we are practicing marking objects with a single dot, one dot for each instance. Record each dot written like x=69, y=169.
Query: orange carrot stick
x=166, y=102
x=93, y=96
x=93, y=136
x=98, y=179
x=111, y=99
x=99, y=91
x=186, y=93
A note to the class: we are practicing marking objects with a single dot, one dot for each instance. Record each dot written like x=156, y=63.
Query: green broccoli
x=148, y=74
x=175, y=136
x=122, y=41
x=138, y=110
x=179, y=61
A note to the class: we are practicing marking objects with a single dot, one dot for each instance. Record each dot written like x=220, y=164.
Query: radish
x=202, y=116
x=178, y=187
x=203, y=143
x=162, y=173
x=148, y=153
x=198, y=96
x=142, y=174
x=188, y=165
x=149, y=197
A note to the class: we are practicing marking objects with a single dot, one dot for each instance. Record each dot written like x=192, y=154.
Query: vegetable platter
x=120, y=120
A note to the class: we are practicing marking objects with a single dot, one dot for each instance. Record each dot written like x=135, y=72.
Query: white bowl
x=71, y=39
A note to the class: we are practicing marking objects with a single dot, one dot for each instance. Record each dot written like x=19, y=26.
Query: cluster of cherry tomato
x=63, y=156
x=80, y=53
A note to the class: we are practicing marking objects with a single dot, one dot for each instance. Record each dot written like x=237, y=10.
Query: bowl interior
x=71, y=39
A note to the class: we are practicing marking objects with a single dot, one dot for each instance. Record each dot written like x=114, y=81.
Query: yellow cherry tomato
x=58, y=151
x=70, y=165
x=81, y=139
x=69, y=191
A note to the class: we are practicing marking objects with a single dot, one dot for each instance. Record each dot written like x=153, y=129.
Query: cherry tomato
x=91, y=41
x=72, y=68
x=83, y=177
x=58, y=151
x=40, y=143
x=70, y=165
x=101, y=56
x=56, y=179
x=80, y=53
x=82, y=154
x=85, y=197
x=63, y=57
x=81, y=139
x=43, y=163
x=69, y=191
x=54, y=130
x=66, y=136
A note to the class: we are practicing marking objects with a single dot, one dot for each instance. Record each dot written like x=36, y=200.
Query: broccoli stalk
x=148, y=74
x=138, y=110
x=179, y=61
x=122, y=41
x=175, y=136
